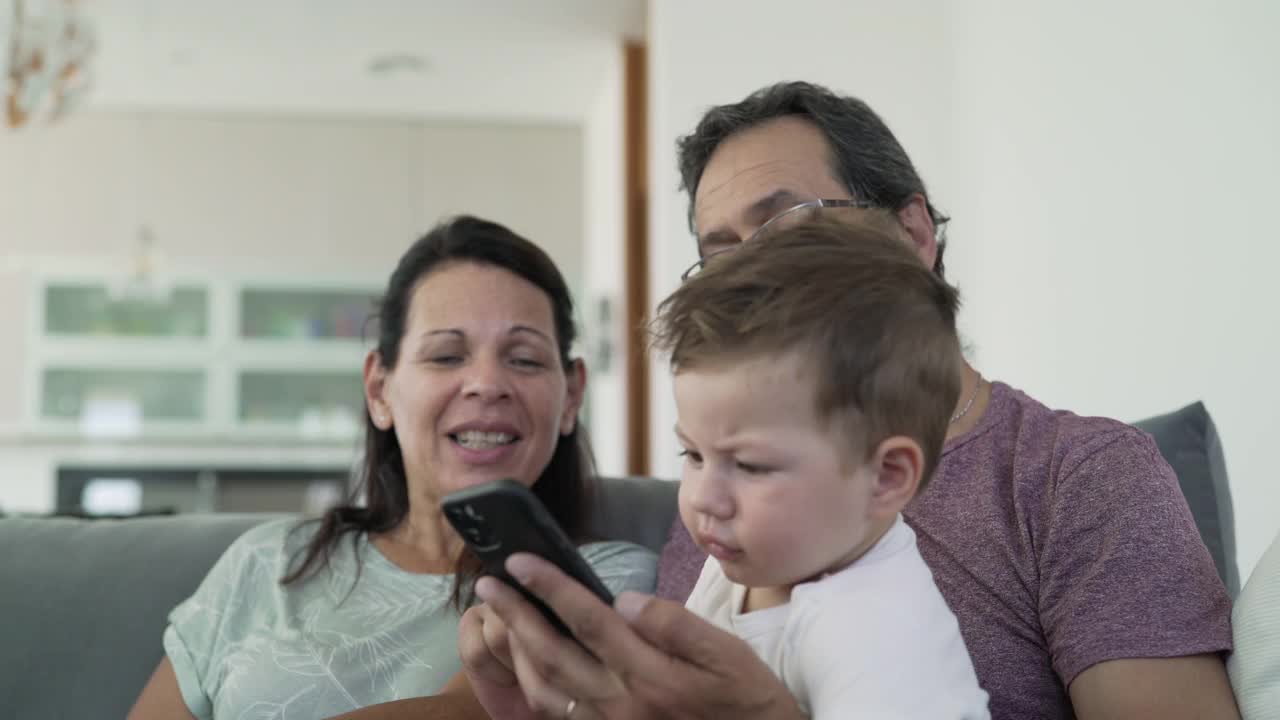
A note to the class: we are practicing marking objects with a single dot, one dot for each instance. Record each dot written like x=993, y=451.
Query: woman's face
x=478, y=392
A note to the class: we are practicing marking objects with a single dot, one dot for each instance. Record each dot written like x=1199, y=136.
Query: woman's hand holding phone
x=497, y=520
x=502, y=518
x=485, y=648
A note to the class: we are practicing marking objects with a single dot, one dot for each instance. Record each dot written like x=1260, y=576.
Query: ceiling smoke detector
x=399, y=63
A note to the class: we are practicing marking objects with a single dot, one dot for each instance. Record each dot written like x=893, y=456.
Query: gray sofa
x=83, y=602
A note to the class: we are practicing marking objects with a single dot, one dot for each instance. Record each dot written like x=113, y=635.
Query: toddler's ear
x=899, y=465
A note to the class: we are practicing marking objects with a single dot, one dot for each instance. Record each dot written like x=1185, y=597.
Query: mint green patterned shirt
x=244, y=647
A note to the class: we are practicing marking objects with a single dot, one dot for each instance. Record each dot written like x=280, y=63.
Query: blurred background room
x=198, y=201
x=193, y=230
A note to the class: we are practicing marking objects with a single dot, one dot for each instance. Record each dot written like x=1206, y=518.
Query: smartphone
x=503, y=517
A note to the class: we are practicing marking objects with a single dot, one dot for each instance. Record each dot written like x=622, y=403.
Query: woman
x=471, y=381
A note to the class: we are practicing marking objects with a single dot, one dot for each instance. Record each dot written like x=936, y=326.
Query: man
x=1062, y=544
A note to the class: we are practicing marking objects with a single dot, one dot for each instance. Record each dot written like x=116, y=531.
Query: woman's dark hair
x=565, y=486
x=865, y=155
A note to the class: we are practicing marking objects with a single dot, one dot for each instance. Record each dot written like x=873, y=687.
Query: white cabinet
x=247, y=360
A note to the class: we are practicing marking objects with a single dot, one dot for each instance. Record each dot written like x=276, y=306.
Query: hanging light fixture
x=146, y=278
x=47, y=50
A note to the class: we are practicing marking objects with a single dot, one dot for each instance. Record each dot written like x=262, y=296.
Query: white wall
x=325, y=195
x=247, y=194
x=513, y=60
x=1121, y=163
x=6, y=25
x=602, y=262
x=717, y=51
x=1111, y=168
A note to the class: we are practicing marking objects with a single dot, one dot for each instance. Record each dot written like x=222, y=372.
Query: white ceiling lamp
x=45, y=48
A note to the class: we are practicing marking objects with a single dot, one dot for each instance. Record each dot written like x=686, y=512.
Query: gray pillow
x=1189, y=442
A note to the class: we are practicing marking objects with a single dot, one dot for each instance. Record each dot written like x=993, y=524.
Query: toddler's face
x=767, y=488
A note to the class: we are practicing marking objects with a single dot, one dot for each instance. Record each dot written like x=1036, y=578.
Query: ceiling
x=500, y=60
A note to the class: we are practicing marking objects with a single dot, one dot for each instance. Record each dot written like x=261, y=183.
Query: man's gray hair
x=865, y=155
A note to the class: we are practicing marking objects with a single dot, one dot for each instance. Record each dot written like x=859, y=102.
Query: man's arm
x=1181, y=688
x=1136, y=618
x=652, y=658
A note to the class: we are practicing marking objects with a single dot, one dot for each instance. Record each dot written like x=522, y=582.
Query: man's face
x=759, y=172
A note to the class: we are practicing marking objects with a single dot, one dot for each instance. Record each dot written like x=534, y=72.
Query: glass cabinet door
x=314, y=403
x=90, y=309
x=309, y=314
x=122, y=399
x=214, y=358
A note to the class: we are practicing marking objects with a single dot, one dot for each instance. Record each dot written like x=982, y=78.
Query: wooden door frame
x=636, y=241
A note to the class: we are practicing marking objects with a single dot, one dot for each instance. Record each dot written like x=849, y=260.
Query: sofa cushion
x=1189, y=442
x=83, y=605
x=637, y=509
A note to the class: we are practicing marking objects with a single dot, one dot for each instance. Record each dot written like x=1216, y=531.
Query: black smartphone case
x=503, y=517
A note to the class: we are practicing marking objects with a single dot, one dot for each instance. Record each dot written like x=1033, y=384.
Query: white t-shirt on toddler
x=874, y=640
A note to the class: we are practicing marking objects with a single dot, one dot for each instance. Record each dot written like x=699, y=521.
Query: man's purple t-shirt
x=1059, y=542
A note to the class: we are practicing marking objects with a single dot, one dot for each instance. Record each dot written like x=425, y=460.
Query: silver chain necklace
x=972, y=396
